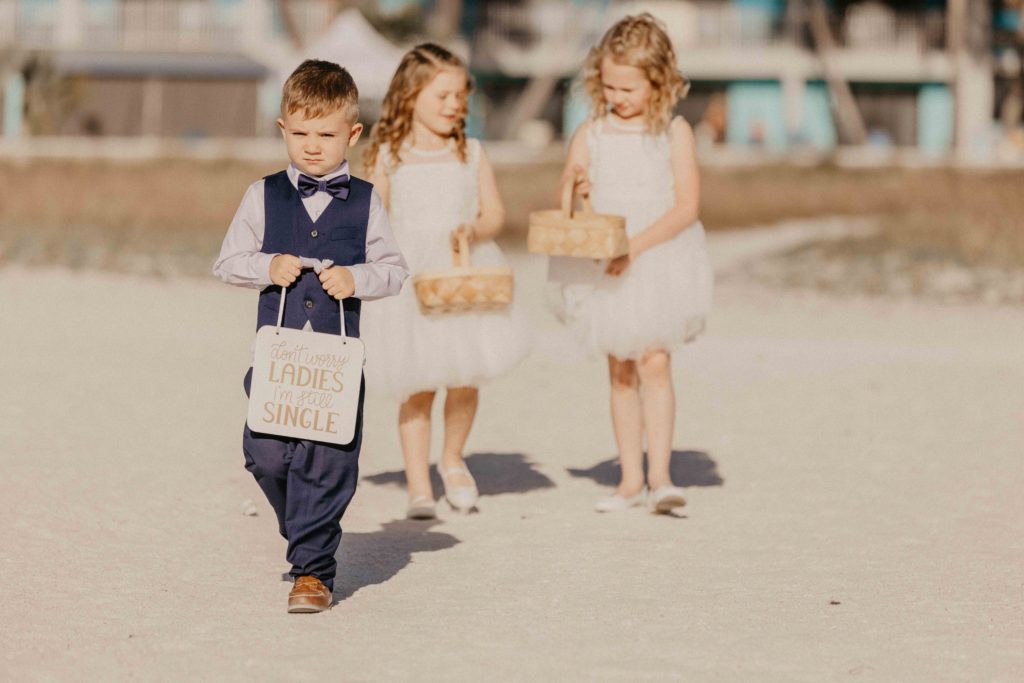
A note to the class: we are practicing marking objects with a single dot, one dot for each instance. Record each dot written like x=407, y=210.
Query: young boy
x=314, y=209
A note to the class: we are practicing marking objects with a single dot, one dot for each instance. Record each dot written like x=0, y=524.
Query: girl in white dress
x=634, y=160
x=437, y=184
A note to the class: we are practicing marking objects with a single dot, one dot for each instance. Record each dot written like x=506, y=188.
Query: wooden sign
x=305, y=384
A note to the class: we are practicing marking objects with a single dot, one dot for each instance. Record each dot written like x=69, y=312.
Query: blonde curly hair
x=319, y=88
x=416, y=70
x=639, y=41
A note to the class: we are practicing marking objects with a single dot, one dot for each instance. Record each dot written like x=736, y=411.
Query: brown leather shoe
x=309, y=595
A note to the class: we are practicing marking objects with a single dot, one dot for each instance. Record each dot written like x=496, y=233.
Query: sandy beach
x=854, y=468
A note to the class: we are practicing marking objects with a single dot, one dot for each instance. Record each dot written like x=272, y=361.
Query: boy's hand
x=338, y=282
x=285, y=269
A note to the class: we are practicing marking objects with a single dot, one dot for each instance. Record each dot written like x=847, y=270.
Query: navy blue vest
x=338, y=234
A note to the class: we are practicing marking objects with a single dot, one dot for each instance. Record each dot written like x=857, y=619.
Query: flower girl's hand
x=467, y=229
x=285, y=269
x=581, y=183
x=619, y=265
x=338, y=282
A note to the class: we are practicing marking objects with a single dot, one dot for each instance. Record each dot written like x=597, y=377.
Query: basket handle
x=568, y=199
x=460, y=251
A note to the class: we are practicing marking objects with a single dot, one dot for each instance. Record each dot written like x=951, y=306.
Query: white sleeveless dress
x=406, y=351
x=663, y=298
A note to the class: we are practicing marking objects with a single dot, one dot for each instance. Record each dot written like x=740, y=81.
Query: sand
x=854, y=470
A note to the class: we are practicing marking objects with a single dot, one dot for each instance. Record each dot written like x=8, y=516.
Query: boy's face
x=318, y=146
x=626, y=88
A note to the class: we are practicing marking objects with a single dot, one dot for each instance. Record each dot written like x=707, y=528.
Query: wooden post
x=291, y=26
x=968, y=43
x=847, y=114
x=152, y=107
x=529, y=104
x=956, y=14
x=443, y=24
x=70, y=23
x=13, y=84
x=1014, y=103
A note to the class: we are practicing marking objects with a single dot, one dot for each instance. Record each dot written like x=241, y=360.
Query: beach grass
x=170, y=216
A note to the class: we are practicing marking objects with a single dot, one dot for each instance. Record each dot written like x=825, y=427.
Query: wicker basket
x=464, y=287
x=565, y=232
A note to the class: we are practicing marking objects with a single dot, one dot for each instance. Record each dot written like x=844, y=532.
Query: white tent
x=353, y=43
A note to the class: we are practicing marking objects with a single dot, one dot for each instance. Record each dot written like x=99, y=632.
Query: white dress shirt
x=242, y=263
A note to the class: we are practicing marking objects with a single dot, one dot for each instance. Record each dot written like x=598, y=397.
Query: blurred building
x=130, y=67
x=788, y=74
x=773, y=74
x=171, y=68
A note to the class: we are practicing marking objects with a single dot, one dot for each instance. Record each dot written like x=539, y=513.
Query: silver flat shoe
x=667, y=498
x=616, y=502
x=421, y=507
x=462, y=498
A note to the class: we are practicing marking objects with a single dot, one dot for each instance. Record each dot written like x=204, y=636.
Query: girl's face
x=441, y=104
x=626, y=88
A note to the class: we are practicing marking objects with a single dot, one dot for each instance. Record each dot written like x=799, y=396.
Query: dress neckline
x=615, y=125
x=429, y=153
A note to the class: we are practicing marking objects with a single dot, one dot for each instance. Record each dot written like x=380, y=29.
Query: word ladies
x=302, y=376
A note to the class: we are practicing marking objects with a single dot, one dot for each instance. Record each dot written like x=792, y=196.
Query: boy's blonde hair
x=319, y=88
x=417, y=69
x=639, y=41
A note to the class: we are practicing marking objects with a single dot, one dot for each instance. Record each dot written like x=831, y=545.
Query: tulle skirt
x=408, y=352
x=659, y=303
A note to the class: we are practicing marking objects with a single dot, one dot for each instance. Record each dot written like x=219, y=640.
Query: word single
x=293, y=416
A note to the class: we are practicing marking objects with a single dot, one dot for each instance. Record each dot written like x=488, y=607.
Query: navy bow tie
x=336, y=187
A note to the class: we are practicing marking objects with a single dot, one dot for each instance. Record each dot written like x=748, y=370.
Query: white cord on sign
x=317, y=265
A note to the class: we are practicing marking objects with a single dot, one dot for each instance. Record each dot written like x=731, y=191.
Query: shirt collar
x=293, y=173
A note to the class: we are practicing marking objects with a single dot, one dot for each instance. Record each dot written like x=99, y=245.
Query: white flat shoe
x=463, y=497
x=421, y=507
x=667, y=498
x=616, y=502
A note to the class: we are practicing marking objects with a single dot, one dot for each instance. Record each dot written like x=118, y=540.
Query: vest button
x=314, y=234
x=309, y=303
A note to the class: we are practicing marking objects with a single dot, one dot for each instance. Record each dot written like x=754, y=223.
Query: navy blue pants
x=309, y=484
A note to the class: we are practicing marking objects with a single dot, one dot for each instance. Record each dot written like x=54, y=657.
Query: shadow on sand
x=688, y=468
x=366, y=559
x=495, y=474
